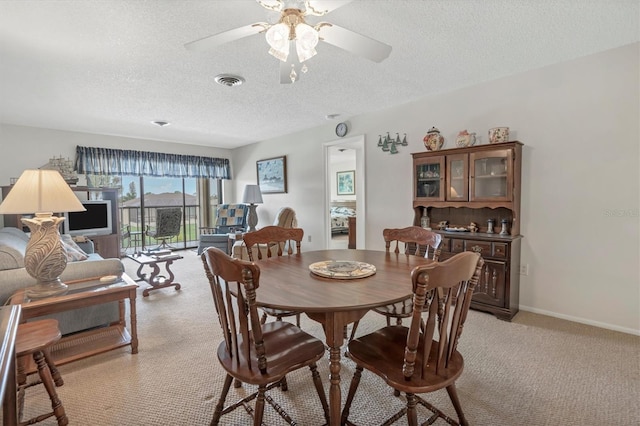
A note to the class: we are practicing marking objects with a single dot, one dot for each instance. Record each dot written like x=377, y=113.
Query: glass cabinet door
x=429, y=178
x=491, y=175
x=457, y=177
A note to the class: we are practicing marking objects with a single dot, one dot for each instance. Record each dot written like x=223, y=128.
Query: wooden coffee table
x=81, y=294
x=154, y=279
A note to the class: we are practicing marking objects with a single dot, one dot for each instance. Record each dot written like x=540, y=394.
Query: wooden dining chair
x=421, y=359
x=413, y=240
x=251, y=352
x=271, y=241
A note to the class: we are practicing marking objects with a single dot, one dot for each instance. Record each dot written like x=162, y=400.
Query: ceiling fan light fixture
x=306, y=40
x=278, y=38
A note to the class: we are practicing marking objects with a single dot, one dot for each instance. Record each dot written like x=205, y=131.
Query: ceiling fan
x=293, y=34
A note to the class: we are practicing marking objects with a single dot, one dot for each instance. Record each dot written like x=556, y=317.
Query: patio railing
x=131, y=220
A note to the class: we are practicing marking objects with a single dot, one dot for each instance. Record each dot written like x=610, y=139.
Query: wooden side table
x=232, y=238
x=153, y=278
x=84, y=293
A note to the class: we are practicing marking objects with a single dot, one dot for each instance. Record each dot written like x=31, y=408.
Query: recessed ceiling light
x=161, y=123
x=229, y=80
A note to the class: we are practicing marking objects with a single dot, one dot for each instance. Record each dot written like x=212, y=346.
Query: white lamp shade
x=278, y=38
x=306, y=41
x=40, y=191
x=252, y=194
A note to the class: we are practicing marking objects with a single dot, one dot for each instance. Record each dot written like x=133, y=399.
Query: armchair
x=285, y=218
x=229, y=218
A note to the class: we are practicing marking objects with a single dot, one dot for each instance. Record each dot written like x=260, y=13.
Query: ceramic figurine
x=473, y=227
x=425, y=222
x=465, y=138
x=434, y=140
x=499, y=134
x=504, y=230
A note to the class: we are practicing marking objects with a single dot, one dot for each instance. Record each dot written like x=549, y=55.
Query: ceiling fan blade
x=353, y=42
x=328, y=5
x=219, y=39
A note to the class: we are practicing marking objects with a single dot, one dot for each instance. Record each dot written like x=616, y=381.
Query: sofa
x=13, y=276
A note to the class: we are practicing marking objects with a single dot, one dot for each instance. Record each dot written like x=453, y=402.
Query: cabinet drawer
x=457, y=246
x=445, y=245
x=482, y=247
x=500, y=250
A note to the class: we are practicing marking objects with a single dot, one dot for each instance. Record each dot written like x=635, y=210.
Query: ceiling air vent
x=229, y=80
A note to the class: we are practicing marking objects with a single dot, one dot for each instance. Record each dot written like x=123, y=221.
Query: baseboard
x=605, y=325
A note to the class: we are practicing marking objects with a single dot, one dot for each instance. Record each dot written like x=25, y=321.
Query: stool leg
x=57, y=378
x=47, y=381
x=22, y=381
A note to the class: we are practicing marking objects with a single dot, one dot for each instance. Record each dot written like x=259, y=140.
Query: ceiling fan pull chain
x=293, y=74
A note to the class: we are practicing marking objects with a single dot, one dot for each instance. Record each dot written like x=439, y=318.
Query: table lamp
x=252, y=196
x=43, y=192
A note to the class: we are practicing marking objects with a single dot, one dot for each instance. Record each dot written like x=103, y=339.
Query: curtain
x=107, y=161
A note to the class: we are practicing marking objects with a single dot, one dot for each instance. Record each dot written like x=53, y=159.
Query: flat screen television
x=96, y=220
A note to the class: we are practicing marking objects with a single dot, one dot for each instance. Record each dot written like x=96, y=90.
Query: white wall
x=579, y=122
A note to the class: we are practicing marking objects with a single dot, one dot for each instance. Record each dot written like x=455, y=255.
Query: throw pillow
x=74, y=252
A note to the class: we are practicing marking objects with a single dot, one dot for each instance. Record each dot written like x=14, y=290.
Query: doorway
x=344, y=192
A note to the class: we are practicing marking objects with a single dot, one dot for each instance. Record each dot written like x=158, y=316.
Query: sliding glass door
x=143, y=196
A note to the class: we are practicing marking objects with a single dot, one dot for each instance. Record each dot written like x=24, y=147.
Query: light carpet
x=535, y=370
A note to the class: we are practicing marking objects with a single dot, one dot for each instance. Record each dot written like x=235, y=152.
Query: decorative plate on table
x=342, y=269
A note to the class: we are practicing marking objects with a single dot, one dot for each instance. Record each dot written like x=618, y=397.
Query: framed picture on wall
x=346, y=182
x=272, y=175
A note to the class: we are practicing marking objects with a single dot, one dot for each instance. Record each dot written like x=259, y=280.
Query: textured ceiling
x=112, y=66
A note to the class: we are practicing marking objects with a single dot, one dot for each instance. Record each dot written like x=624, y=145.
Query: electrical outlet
x=524, y=269
x=309, y=238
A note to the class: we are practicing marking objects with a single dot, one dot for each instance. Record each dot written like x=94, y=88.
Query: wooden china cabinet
x=478, y=184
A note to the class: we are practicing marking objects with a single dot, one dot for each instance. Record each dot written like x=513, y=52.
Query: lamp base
x=48, y=289
x=252, y=217
x=45, y=259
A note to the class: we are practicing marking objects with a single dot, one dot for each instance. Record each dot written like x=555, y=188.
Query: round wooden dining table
x=287, y=283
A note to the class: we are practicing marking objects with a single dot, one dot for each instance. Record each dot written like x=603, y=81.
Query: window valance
x=107, y=161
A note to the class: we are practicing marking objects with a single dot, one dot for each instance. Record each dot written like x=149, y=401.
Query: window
x=141, y=196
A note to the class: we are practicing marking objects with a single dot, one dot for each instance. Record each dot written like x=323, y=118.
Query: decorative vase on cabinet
x=434, y=140
x=424, y=220
x=465, y=138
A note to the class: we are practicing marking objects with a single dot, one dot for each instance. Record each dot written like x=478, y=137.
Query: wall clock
x=341, y=129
